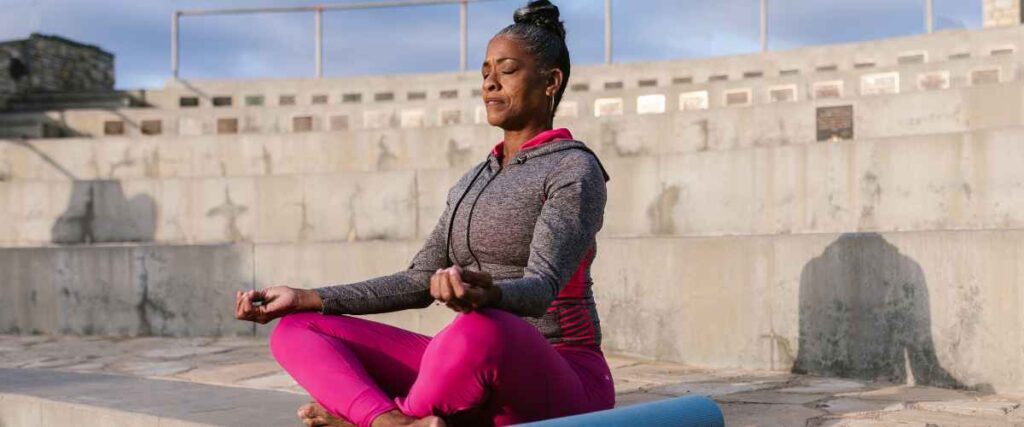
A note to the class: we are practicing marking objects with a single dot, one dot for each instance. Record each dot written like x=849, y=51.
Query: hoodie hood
x=547, y=142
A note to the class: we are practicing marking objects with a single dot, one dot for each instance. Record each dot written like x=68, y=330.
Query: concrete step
x=56, y=101
x=37, y=397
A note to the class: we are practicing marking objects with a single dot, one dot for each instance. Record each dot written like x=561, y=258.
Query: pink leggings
x=487, y=366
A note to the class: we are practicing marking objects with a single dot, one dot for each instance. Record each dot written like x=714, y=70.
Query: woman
x=511, y=253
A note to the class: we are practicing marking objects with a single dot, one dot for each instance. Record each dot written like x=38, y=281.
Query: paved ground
x=747, y=398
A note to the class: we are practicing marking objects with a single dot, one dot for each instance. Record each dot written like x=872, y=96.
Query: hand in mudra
x=463, y=290
x=264, y=305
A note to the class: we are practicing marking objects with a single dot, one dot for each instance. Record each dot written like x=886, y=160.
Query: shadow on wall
x=98, y=212
x=864, y=313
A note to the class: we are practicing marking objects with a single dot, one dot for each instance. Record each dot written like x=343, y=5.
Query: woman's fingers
x=458, y=288
x=238, y=306
x=434, y=286
x=445, y=287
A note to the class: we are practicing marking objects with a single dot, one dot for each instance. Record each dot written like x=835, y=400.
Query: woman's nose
x=490, y=84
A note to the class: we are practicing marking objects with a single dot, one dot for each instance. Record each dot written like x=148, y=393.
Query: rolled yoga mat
x=686, y=411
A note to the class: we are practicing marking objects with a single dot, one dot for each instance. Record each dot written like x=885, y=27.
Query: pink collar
x=541, y=139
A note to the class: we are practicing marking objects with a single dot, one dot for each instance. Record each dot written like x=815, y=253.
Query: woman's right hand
x=274, y=302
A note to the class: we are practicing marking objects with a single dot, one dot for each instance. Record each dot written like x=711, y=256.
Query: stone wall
x=47, y=63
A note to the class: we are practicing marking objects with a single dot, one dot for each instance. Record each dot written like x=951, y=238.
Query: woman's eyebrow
x=500, y=60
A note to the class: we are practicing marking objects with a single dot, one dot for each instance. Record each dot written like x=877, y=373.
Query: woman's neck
x=514, y=139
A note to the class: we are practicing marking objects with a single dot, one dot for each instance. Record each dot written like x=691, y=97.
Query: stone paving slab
x=154, y=371
x=149, y=400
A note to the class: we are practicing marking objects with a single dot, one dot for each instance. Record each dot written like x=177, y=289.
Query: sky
x=426, y=38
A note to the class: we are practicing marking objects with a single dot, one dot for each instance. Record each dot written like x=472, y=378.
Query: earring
x=551, y=109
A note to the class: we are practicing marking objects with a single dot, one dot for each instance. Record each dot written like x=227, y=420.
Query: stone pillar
x=1002, y=13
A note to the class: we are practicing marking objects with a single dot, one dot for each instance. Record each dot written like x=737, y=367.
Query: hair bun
x=542, y=14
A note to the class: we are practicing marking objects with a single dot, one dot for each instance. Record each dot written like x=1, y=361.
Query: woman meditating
x=511, y=253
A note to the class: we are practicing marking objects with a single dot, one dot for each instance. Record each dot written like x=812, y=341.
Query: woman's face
x=516, y=92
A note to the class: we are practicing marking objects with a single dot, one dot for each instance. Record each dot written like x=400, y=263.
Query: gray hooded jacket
x=530, y=224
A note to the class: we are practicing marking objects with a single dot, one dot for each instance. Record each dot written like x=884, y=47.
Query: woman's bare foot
x=314, y=415
x=397, y=419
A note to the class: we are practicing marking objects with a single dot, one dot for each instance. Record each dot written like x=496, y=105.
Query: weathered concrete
x=941, y=62
x=31, y=397
x=951, y=181
x=934, y=307
x=124, y=290
x=220, y=378
x=793, y=123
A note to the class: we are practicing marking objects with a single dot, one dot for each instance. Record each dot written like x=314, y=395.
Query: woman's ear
x=555, y=78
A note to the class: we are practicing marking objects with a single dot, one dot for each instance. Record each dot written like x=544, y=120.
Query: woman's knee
x=484, y=326
x=287, y=327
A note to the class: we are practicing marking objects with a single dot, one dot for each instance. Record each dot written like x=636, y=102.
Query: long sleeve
x=569, y=220
x=403, y=290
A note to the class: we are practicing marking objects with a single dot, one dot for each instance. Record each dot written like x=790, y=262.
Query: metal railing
x=463, y=24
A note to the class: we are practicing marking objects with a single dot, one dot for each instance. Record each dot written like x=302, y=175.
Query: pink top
x=541, y=139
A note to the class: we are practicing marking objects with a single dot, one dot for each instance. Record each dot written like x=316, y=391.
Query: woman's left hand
x=463, y=294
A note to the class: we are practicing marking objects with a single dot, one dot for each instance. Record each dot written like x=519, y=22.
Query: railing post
x=764, y=25
x=319, y=43
x=174, y=43
x=929, y=16
x=463, y=34
x=607, y=31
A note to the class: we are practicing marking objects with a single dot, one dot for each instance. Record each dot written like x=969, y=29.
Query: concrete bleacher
x=725, y=218
x=946, y=60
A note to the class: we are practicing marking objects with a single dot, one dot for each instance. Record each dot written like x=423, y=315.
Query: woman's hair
x=543, y=35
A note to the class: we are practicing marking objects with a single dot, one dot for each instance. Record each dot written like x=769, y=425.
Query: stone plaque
x=933, y=80
x=782, y=94
x=689, y=101
x=151, y=127
x=228, y=125
x=880, y=83
x=113, y=127
x=450, y=117
x=302, y=124
x=650, y=104
x=835, y=123
x=987, y=76
x=411, y=119
x=376, y=119
x=339, y=122
x=830, y=89
x=607, y=107
x=565, y=109
x=737, y=98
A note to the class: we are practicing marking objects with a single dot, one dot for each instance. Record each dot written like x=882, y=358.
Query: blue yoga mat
x=687, y=411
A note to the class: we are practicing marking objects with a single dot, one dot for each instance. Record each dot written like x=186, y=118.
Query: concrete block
x=637, y=204
x=223, y=209
x=281, y=209
x=8, y=211
x=432, y=188
x=384, y=206
x=190, y=290
x=96, y=293
x=16, y=410
x=40, y=205
x=935, y=305
x=29, y=285
x=173, y=201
